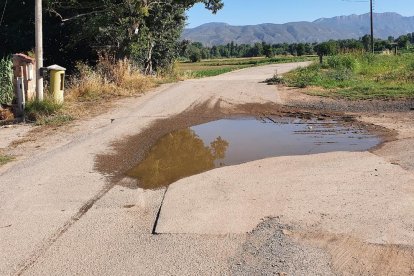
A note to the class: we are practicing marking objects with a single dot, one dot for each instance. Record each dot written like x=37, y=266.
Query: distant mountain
x=340, y=27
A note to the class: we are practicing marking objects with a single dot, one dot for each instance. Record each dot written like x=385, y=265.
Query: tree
x=144, y=30
x=326, y=49
x=194, y=54
x=403, y=42
x=366, y=41
x=268, y=50
x=300, y=49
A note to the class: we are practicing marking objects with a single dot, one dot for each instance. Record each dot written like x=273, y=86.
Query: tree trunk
x=148, y=63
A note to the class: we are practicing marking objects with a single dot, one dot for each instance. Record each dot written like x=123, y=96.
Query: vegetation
x=6, y=81
x=4, y=159
x=208, y=68
x=89, y=90
x=232, y=50
x=146, y=32
x=357, y=76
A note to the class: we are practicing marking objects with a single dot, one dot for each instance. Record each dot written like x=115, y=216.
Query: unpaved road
x=335, y=213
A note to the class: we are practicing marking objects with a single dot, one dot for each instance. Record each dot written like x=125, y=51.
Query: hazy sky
x=246, y=12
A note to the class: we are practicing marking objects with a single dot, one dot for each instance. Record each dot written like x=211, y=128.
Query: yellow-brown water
x=187, y=152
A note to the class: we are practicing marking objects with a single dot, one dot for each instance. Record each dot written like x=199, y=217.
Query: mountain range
x=323, y=29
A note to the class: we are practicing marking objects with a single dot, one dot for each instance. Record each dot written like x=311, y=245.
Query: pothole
x=226, y=142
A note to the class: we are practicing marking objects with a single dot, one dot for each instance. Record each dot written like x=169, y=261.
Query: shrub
x=304, y=77
x=342, y=74
x=36, y=110
x=276, y=79
x=195, y=57
x=348, y=61
x=6, y=81
x=110, y=78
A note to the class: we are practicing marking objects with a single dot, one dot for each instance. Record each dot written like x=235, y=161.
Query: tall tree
x=146, y=30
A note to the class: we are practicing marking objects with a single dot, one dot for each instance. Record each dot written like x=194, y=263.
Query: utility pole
x=39, y=49
x=372, y=26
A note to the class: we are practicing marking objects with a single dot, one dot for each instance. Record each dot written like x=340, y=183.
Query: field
x=358, y=77
x=214, y=67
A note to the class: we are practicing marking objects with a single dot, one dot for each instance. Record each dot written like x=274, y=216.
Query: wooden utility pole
x=372, y=25
x=39, y=49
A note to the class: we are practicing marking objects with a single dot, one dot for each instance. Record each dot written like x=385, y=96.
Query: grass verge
x=358, y=77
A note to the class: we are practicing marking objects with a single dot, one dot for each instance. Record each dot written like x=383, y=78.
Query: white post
x=39, y=49
x=21, y=94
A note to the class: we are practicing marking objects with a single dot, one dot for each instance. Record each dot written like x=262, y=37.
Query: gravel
x=269, y=251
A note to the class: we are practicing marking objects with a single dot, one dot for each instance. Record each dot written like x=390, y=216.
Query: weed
x=276, y=79
x=36, y=110
x=55, y=120
x=359, y=76
x=346, y=61
x=111, y=78
x=4, y=159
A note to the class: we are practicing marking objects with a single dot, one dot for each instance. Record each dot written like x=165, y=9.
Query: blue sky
x=248, y=12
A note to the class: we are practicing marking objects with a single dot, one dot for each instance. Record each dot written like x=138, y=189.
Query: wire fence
x=6, y=81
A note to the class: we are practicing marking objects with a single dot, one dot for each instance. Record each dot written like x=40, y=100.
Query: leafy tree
x=326, y=49
x=403, y=42
x=144, y=30
x=268, y=50
x=300, y=49
x=195, y=54
x=366, y=41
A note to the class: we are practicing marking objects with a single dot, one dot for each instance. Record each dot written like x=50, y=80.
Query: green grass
x=4, y=159
x=358, y=77
x=209, y=68
x=46, y=113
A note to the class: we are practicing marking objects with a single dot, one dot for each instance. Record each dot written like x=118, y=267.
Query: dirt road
x=334, y=213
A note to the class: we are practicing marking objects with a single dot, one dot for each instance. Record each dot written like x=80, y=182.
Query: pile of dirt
x=269, y=251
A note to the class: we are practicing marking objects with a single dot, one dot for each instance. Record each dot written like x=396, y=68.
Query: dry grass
x=92, y=89
x=110, y=78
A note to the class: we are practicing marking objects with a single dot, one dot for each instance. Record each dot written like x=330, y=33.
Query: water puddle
x=227, y=142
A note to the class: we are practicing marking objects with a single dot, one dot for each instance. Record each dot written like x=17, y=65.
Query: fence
x=6, y=81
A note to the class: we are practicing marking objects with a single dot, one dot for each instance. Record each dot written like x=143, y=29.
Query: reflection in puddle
x=226, y=142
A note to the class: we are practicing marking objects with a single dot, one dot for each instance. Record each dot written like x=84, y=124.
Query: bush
x=276, y=79
x=304, y=77
x=342, y=74
x=348, y=61
x=195, y=57
x=36, y=110
x=6, y=81
x=110, y=78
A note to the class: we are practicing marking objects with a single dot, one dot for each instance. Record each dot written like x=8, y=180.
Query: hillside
x=340, y=27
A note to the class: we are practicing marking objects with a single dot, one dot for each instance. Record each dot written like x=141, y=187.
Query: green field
x=214, y=67
x=358, y=77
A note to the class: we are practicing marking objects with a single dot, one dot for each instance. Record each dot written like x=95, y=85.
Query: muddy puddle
x=225, y=142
